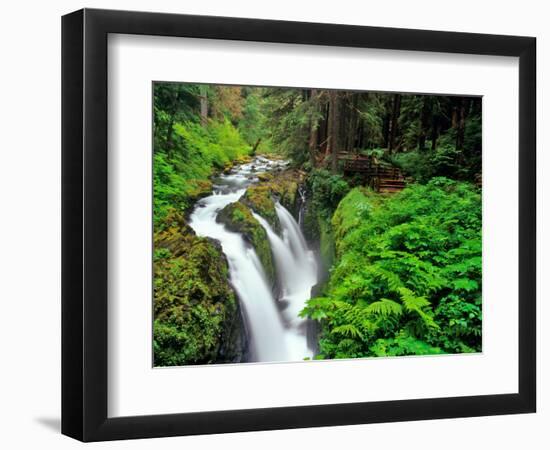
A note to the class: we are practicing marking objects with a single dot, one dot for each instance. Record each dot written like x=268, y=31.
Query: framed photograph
x=273, y=224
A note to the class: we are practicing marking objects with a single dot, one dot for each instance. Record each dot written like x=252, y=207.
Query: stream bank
x=250, y=297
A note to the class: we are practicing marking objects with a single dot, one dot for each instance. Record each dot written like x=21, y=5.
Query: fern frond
x=385, y=308
x=348, y=330
x=412, y=302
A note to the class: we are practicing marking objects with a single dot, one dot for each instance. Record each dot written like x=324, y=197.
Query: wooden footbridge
x=380, y=176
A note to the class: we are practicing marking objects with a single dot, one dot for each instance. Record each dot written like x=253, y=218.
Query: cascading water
x=297, y=273
x=276, y=333
x=302, y=194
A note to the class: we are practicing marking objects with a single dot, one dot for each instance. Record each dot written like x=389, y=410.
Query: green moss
x=352, y=211
x=199, y=189
x=197, y=316
x=287, y=191
x=266, y=176
x=258, y=198
x=282, y=186
x=238, y=218
x=326, y=242
x=238, y=215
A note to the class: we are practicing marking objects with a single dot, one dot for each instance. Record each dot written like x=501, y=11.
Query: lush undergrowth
x=407, y=274
x=325, y=192
x=404, y=270
x=197, y=316
x=181, y=171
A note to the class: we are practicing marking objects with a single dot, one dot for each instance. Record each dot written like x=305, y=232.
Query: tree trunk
x=204, y=105
x=313, y=129
x=334, y=130
x=169, y=134
x=256, y=146
x=323, y=129
x=330, y=123
x=170, y=130
x=352, y=124
x=461, y=124
x=424, y=123
x=435, y=132
x=396, y=110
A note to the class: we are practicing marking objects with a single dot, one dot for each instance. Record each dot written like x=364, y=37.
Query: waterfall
x=247, y=277
x=296, y=271
x=302, y=194
x=276, y=333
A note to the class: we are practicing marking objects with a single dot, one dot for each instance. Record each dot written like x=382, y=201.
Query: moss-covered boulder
x=259, y=198
x=282, y=187
x=242, y=159
x=197, y=318
x=238, y=218
x=199, y=189
x=285, y=188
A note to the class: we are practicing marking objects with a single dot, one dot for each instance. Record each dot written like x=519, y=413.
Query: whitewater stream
x=275, y=331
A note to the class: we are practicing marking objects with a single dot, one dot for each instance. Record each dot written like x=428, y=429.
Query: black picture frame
x=84, y=224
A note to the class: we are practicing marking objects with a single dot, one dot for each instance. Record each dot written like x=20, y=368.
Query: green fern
x=407, y=274
x=385, y=308
x=348, y=330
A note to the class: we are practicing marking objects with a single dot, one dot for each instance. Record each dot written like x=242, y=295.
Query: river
x=275, y=331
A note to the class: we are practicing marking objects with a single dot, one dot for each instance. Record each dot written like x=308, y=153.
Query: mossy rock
x=243, y=159
x=238, y=218
x=199, y=189
x=286, y=190
x=258, y=198
x=265, y=176
x=282, y=187
x=197, y=318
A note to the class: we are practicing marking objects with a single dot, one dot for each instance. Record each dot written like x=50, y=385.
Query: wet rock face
x=234, y=345
x=238, y=218
x=282, y=186
x=259, y=199
x=198, y=317
x=197, y=314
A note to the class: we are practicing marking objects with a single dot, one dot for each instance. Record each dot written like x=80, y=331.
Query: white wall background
x=30, y=225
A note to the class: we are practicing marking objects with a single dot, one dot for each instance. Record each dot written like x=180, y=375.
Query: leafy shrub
x=327, y=190
x=180, y=175
x=446, y=160
x=423, y=165
x=407, y=276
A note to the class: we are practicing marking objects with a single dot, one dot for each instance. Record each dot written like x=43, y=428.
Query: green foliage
x=290, y=115
x=253, y=126
x=445, y=160
x=372, y=111
x=173, y=102
x=407, y=275
x=327, y=191
x=181, y=175
x=194, y=306
x=405, y=270
x=196, y=314
x=423, y=165
x=403, y=345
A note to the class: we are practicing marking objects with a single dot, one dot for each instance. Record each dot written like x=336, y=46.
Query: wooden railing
x=376, y=175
